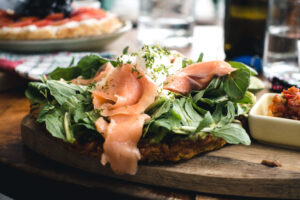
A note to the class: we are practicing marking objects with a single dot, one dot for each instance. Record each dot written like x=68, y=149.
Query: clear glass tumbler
x=282, y=41
x=166, y=22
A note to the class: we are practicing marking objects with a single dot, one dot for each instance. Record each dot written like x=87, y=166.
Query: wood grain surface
x=232, y=170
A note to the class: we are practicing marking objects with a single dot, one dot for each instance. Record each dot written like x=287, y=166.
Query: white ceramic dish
x=75, y=44
x=274, y=130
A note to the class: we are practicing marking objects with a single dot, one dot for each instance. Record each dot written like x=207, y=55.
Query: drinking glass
x=282, y=41
x=166, y=22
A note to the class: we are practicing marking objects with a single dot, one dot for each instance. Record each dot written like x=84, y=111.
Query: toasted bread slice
x=150, y=152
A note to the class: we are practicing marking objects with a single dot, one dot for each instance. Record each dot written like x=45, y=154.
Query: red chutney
x=286, y=105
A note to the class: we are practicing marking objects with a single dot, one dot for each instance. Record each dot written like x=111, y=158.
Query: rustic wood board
x=232, y=170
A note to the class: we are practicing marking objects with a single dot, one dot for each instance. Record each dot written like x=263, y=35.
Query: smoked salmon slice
x=100, y=74
x=196, y=76
x=121, y=137
x=127, y=90
x=122, y=96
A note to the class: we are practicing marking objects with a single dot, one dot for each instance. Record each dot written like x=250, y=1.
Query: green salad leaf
x=184, y=120
x=232, y=133
x=86, y=67
x=67, y=109
x=212, y=110
x=239, y=65
x=37, y=92
x=236, y=84
x=53, y=118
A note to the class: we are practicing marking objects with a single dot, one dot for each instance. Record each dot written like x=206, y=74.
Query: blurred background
x=236, y=30
x=207, y=11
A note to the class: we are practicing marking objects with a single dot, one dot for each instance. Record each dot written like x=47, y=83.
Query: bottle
x=244, y=31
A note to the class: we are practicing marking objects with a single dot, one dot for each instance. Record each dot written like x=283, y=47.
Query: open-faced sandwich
x=41, y=20
x=152, y=105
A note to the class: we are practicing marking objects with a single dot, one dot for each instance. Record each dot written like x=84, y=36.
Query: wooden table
x=25, y=174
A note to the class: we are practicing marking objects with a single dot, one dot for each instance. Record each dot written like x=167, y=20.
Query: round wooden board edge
x=151, y=175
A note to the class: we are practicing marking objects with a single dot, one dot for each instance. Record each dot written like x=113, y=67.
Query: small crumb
x=271, y=163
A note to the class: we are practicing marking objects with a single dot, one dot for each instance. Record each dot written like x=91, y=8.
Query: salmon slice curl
x=196, y=76
x=121, y=137
x=125, y=91
x=100, y=74
x=123, y=96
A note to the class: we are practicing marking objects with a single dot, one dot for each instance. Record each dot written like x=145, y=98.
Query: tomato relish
x=286, y=105
x=10, y=20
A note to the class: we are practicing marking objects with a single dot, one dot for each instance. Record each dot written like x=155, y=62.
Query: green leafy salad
x=67, y=109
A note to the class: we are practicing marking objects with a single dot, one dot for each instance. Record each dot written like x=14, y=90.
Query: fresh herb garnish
x=200, y=58
x=125, y=50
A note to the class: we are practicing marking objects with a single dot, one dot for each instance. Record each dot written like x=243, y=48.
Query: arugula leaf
x=164, y=108
x=65, y=73
x=68, y=109
x=53, y=118
x=232, y=133
x=37, y=92
x=249, y=98
x=61, y=91
x=200, y=110
x=213, y=101
x=229, y=117
x=206, y=122
x=86, y=67
x=236, y=84
x=198, y=96
x=239, y=65
x=156, y=105
x=89, y=65
x=184, y=109
x=214, y=83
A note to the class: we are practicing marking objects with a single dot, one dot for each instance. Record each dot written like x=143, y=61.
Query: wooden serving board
x=232, y=170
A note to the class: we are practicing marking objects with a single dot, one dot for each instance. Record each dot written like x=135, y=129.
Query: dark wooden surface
x=231, y=170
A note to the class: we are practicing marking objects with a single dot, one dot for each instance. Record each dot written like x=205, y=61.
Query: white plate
x=74, y=44
x=274, y=130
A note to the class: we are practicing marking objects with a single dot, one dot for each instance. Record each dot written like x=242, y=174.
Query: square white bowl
x=274, y=130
